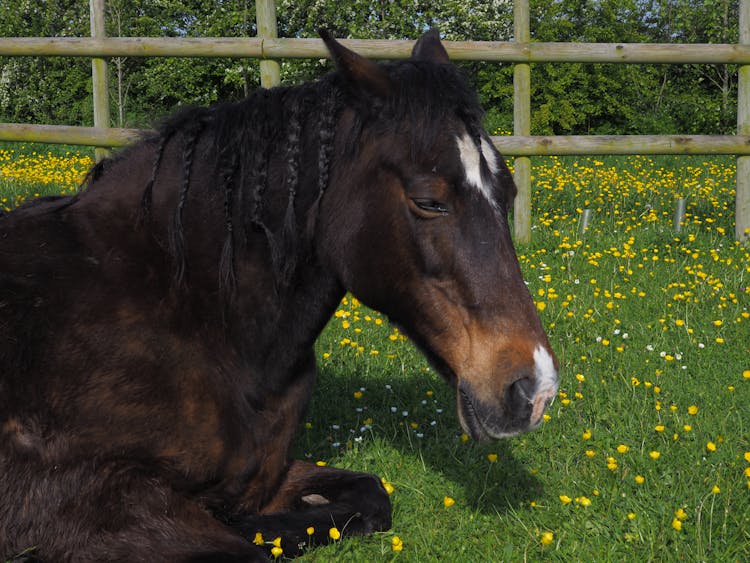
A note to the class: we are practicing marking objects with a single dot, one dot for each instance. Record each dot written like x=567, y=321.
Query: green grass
x=649, y=325
x=631, y=309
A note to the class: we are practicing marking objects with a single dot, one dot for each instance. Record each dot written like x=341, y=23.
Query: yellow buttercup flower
x=387, y=486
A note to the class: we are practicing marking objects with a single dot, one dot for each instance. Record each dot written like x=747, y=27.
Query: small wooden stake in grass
x=679, y=214
x=585, y=218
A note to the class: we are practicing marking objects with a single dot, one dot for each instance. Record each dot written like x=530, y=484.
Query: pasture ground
x=645, y=453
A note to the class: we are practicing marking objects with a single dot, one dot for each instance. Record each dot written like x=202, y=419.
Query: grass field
x=645, y=454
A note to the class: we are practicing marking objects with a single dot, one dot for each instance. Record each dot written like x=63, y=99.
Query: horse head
x=415, y=224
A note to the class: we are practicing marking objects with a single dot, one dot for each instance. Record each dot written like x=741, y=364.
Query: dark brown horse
x=157, y=329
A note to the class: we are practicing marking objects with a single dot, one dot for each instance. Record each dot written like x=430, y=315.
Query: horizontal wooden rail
x=622, y=144
x=507, y=145
x=272, y=48
x=131, y=47
x=68, y=135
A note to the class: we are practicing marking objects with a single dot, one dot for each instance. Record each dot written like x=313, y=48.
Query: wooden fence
x=521, y=51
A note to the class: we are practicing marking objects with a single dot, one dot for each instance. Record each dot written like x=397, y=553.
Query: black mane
x=279, y=121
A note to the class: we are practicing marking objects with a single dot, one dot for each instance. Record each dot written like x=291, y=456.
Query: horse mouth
x=469, y=418
x=484, y=424
x=480, y=421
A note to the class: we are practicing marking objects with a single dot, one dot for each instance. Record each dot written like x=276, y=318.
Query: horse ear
x=429, y=48
x=361, y=73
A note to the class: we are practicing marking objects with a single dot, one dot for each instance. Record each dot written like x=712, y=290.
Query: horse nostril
x=521, y=393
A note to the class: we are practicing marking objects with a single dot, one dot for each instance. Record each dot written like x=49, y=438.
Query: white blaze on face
x=546, y=382
x=472, y=162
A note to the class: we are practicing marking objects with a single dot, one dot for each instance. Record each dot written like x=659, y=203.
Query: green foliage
x=44, y=90
x=631, y=309
x=566, y=98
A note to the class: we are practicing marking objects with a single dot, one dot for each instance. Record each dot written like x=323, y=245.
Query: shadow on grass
x=377, y=422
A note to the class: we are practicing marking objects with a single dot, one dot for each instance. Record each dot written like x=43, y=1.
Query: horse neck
x=273, y=329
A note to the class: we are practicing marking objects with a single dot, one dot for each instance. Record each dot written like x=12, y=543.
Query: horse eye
x=431, y=206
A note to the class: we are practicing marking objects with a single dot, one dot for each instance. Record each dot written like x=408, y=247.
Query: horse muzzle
x=518, y=407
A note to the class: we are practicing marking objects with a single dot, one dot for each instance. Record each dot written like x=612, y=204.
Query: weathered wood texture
x=99, y=82
x=507, y=145
x=623, y=144
x=742, y=202
x=283, y=48
x=265, y=15
x=522, y=125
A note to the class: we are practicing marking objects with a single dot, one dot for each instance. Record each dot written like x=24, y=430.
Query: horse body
x=133, y=344
x=157, y=329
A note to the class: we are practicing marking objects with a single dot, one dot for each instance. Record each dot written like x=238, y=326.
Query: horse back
x=39, y=255
x=87, y=325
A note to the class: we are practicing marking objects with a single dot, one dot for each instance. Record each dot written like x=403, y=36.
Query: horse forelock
x=428, y=98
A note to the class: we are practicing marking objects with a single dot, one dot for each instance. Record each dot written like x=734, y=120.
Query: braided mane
x=286, y=121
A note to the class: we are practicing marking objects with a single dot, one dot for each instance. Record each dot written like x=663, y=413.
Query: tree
x=479, y=20
x=566, y=98
x=45, y=90
x=688, y=94
x=151, y=87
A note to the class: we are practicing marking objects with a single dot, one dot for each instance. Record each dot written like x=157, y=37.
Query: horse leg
x=312, y=499
x=109, y=511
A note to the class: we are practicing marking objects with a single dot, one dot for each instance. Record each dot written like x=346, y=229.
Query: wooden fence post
x=100, y=85
x=742, y=203
x=522, y=125
x=265, y=17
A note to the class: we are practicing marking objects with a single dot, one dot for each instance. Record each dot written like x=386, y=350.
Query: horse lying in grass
x=157, y=329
